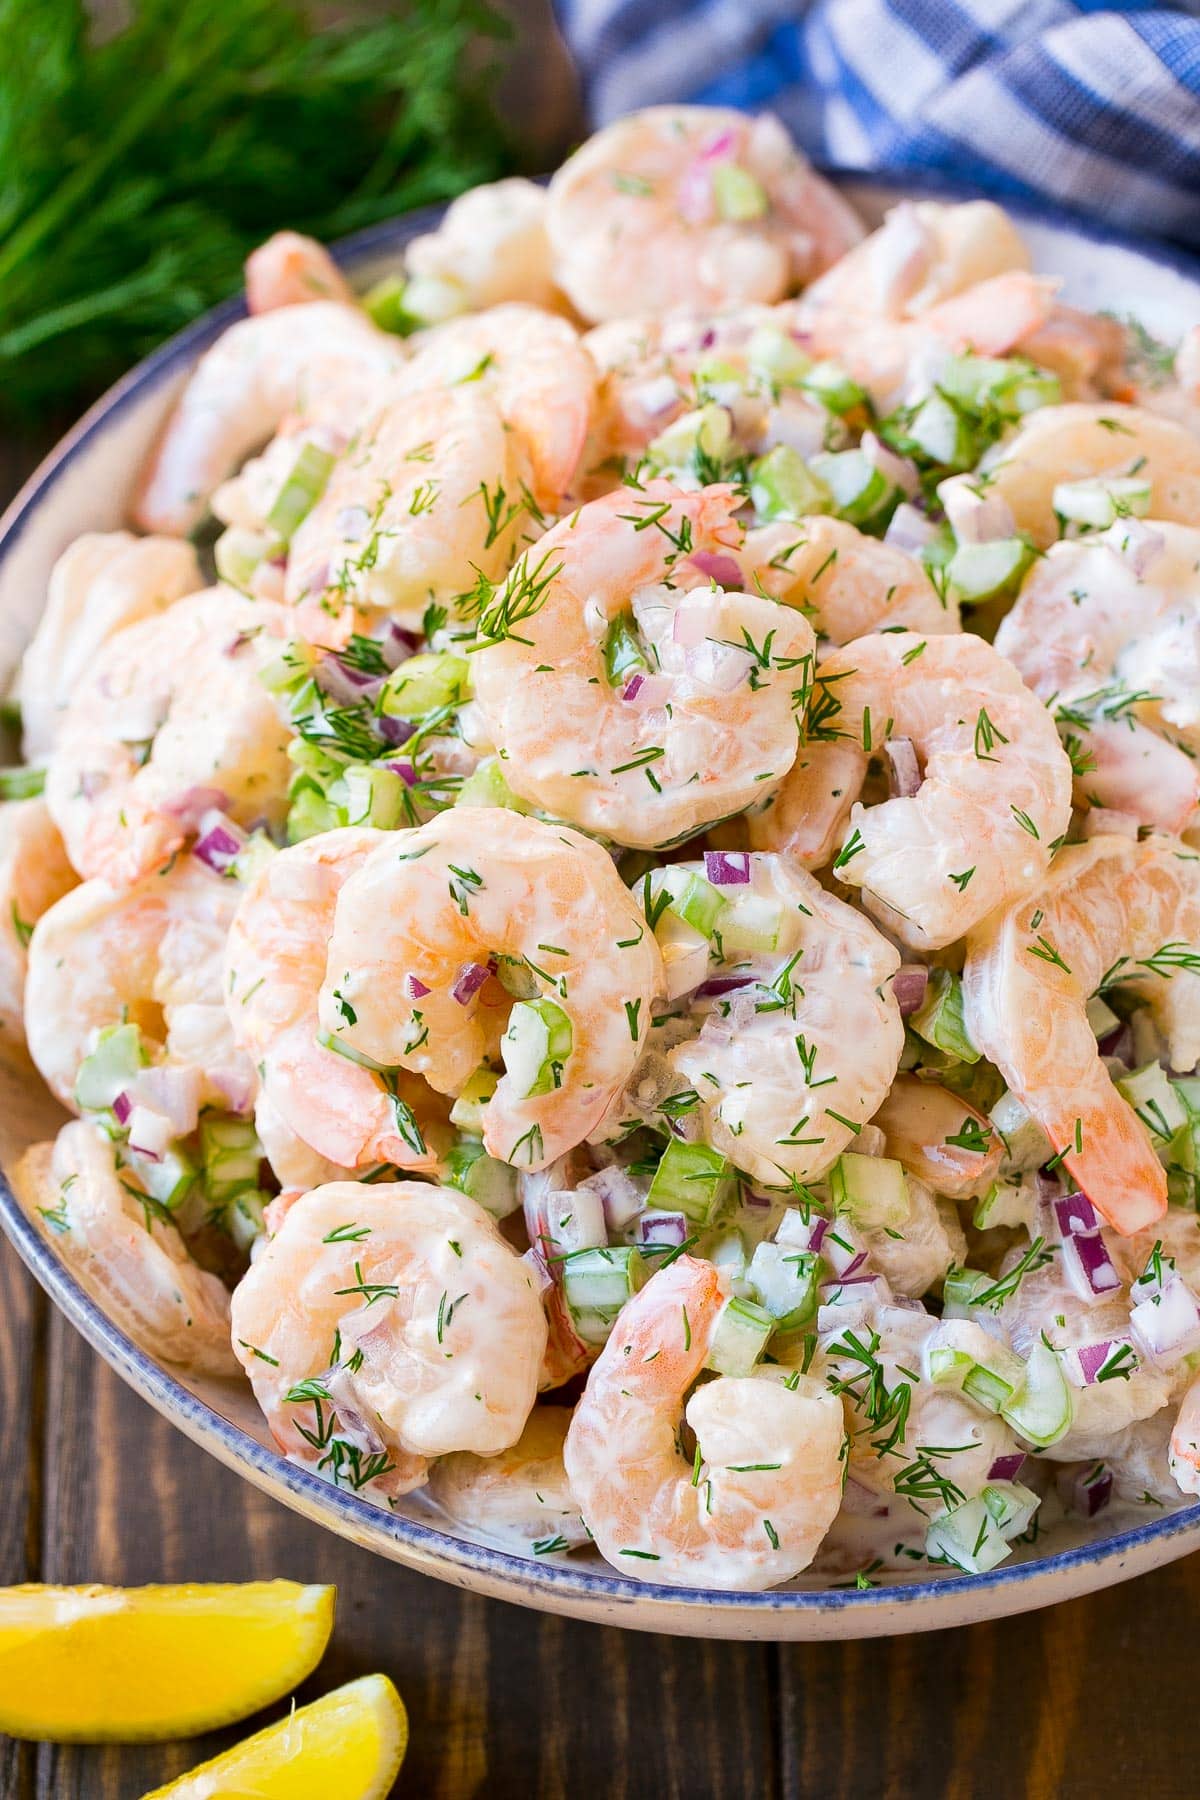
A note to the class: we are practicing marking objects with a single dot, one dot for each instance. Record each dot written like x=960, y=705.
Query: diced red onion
x=173, y=1093
x=797, y=423
x=238, y=643
x=799, y=1233
x=1007, y=1468
x=661, y=1228
x=692, y=623
x=397, y=644
x=717, y=985
x=1085, y=1491
x=404, y=769
x=1137, y=544
x=190, y=806
x=393, y=731
x=909, y=529
x=656, y=397
x=1089, y=1359
x=1167, y=1327
x=720, y=666
x=345, y=684
x=352, y=1423
x=1047, y=1187
x=854, y=1287
x=719, y=147
x=694, y=194
x=718, y=567
x=1119, y=1044
x=235, y=1087
x=122, y=1107
x=149, y=1133
x=632, y=687
x=535, y=1262
x=976, y=517
x=219, y=844
x=414, y=988
x=471, y=978
x=904, y=771
x=621, y=1196
x=1075, y=1215
x=897, y=469
x=1089, y=1267
x=576, y=1219
x=759, y=1202
x=909, y=985
x=727, y=868
x=648, y=690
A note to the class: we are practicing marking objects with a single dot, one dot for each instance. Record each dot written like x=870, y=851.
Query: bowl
x=84, y=485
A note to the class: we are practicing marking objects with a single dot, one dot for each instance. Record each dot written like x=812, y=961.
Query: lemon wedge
x=348, y=1745
x=100, y=1664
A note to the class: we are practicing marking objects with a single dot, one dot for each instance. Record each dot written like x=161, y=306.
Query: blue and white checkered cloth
x=1094, y=105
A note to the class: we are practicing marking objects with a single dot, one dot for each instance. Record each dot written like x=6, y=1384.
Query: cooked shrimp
x=383, y=1325
x=690, y=206
x=1108, y=909
x=709, y=722
x=431, y=905
x=995, y=793
x=939, y=1137
x=275, y=964
x=149, y=955
x=293, y=1164
x=427, y=498
x=324, y=361
x=534, y=369
x=291, y=270
x=1183, y=1454
x=768, y=1482
x=1107, y=632
x=123, y=1248
x=923, y=253
x=789, y=1068
x=490, y=246
x=34, y=873
x=1072, y=443
x=170, y=719
x=521, y=1498
x=104, y=581
x=846, y=582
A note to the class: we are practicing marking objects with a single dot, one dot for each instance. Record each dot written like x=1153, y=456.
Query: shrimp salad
x=610, y=876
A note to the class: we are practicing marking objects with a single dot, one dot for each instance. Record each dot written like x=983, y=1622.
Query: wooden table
x=1089, y=1700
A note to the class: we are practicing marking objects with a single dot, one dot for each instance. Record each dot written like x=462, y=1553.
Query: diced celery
x=238, y=552
x=21, y=783
x=947, y=1366
x=786, y=1282
x=1099, y=501
x=737, y=194
x=1005, y=1203
x=245, y=1218
x=861, y=491
x=693, y=1180
x=486, y=786
x=968, y=1537
x=374, y=795
x=938, y=432
x=425, y=683
x=231, y=1154
x=596, y=1285
x=535, y=1047
x=962, y=1354
x=305, y=483
x=254, y=855
x=829, y=383
x=776, y=357
x=1101, y=1017
x=700, y=437
x=979, y=572
x=467, y=1111
x=986, y=1387
x=1008, y=386
x=726, y=1250
x=782, y=486
x=623, y=652
x=939, y=1018
x=1154, y=1099
x=385, y=302
x=310, y=813
x=432, y=299
x=1188, y=1089
x=112, y=1065
x=491, y=1184
x=169, y=1179
x=872, y=1190
x=329, y=1040
x=1012, y=1505
x=696, y=901
x=1026, y=1145
x=743, y=1331
x=1041, y=1410
x=959, y=1290
x=751, y=924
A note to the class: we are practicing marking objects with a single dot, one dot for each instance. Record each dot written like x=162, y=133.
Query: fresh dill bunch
x=138, y=169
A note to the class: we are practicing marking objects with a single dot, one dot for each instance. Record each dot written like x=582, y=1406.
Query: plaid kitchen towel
x=1092, y=105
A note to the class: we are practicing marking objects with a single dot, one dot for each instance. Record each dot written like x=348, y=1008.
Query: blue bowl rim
x=436, y=1550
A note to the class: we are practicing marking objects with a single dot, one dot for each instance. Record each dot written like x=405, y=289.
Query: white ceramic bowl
x=84, y=486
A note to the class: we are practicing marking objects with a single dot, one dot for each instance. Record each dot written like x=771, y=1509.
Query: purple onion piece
x=722, y=984
x=1094, y=1263
x=662, y=1228
x=404, y=769
x=718, y=567
x=1086, y=1491
x=632, y=686
x=727, y=868
x=1076, y=1215
x=394, y=731
x=1007, y=1468
x=903, y=769
x=190, y=806
x=397, y=645
x=1092, y=1357
x=414, y=988
x=344, y=683
x=909, y=984
x=122, y=1107
x=219, y=847
x=1118, y=1043
x=471, y=978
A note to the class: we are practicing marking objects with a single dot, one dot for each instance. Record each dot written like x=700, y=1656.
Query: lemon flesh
x=346, y=1746
x=99, y=1664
